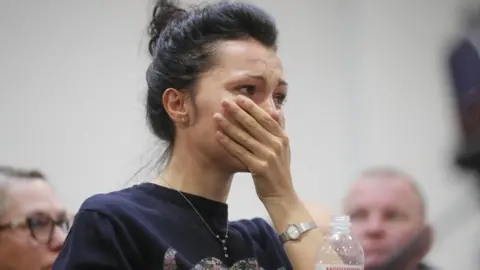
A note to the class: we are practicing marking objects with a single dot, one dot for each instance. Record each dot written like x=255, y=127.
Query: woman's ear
x=178, y=106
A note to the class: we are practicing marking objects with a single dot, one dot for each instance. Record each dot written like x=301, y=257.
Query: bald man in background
x=388, y=215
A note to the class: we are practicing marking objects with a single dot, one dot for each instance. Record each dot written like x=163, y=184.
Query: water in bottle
x=340, y=250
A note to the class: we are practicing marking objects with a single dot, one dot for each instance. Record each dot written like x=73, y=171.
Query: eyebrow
x=282, y=82
x=56, y=214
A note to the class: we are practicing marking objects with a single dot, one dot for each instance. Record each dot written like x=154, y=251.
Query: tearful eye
x=247, y=90
x=280, y=99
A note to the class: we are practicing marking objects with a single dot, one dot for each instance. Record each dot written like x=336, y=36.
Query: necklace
x=223, y=241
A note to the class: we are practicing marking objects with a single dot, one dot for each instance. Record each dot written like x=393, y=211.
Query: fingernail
x=218, y=116
x=225, y=102
x=242, y=99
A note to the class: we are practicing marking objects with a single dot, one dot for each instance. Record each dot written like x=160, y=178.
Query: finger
x=240, y=136
x=260, y=115
x=246, y=121
x=278, y=116
x=236, y=150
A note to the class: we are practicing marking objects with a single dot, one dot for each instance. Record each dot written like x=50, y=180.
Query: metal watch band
x=298, y=229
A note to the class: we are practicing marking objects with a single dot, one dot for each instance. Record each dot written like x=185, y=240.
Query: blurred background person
x=33, y=223
x=388, y=212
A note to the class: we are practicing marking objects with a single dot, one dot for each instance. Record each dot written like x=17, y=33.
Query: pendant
x=224, y=245
x=225, y=251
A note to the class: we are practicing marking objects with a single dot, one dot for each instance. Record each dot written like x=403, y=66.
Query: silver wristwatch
x=295, y=231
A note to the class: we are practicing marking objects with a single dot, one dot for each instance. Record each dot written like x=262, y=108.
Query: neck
x=195, y=175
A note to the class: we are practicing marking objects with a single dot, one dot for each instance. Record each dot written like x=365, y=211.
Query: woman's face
x=243, y=67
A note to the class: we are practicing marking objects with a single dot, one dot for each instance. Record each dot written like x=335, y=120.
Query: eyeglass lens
x=42, y=226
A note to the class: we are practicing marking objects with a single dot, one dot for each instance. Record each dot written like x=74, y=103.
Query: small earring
x=184, y=119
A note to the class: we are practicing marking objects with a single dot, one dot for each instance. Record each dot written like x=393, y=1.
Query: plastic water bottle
x=340, y=249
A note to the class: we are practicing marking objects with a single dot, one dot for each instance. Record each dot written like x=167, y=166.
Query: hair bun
x=164, y=12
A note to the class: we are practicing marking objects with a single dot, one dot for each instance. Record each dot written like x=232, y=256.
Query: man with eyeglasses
x=33, y=223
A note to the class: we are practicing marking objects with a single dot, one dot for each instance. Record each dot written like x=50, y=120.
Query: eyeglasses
x=41, y=226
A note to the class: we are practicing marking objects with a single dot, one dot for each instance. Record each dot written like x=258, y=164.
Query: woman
x=215, y=96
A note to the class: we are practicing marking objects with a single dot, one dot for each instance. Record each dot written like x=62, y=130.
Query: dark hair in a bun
x=182, y=42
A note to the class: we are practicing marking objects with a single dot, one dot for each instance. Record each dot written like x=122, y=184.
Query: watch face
x=293, y=232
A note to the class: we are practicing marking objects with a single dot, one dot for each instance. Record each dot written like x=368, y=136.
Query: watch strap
x=302, y=229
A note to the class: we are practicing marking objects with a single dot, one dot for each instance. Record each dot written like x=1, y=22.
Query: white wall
x=368, y=87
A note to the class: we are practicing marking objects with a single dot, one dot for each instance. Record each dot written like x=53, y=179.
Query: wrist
x=286, y=210
x=290, y=200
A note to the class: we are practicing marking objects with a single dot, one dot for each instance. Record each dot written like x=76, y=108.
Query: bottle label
x=338, y=267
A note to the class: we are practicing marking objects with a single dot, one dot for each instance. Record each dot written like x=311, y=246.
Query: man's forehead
x=379, y=183
x=394, y=190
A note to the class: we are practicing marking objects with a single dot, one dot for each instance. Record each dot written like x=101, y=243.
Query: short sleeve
x=94, y=243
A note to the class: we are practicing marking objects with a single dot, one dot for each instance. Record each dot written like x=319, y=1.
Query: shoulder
x=113, y=202
x=101, y=234
x=132, y=203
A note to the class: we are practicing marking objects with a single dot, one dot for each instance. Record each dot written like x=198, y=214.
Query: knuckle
x=244, y=139
x=261, y=167
x=267, y=119
x=241, y=151
x=280, y=144
x=224, y=122
x=285, y=141
x=250, y=123
x=277, y=147
x=271, y=156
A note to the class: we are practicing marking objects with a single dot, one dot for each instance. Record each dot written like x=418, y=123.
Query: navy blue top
x=149, y=227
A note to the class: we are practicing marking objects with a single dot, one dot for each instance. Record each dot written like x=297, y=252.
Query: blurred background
x=369, y=85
